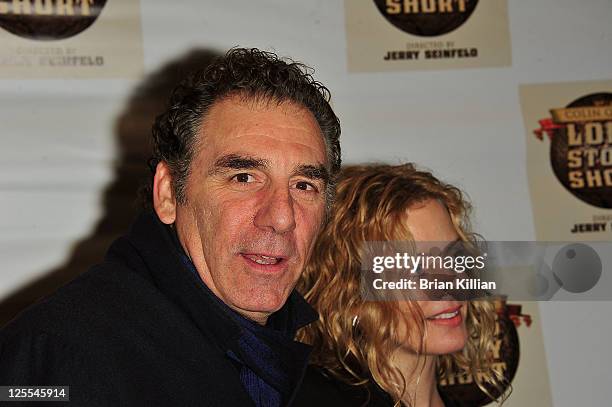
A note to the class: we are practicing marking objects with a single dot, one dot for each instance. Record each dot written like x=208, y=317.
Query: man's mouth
x=266, y=263
x=262, y=259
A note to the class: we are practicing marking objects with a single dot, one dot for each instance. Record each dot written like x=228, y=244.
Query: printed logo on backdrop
x=518, y=355
x=426, y=18
x=48, y=19
x=461, y=386
x=386, y=35
x=569, y=148
x=70, y=38
x=581, y=147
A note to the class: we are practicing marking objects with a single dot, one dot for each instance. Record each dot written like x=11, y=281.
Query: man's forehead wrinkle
x=231, y=105
x=260, y=130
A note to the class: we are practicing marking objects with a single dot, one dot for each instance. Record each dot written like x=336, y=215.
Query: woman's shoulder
x=321, y=389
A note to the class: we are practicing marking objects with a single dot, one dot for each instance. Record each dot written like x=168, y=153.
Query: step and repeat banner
x=441, y=83
x=70, y=39
x=387, y=35
x=569, y=157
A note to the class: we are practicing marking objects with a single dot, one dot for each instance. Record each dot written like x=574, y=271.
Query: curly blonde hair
x=370, y=205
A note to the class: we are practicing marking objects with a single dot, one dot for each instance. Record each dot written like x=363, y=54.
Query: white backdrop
x=59, y=143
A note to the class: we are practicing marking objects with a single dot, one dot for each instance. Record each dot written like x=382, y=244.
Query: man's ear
x=164, y=201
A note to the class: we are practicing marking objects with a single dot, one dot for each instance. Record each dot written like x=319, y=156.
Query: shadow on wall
x=120, y=203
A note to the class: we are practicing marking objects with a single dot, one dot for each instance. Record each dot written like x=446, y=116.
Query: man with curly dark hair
x=196, y=305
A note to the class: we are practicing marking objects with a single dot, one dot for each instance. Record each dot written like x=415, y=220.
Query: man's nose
x=277, y=212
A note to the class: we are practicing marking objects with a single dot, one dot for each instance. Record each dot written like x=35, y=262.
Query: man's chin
x=259, y=308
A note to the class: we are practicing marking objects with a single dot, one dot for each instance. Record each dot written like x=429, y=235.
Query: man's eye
x=243, y=177
x=305, y=186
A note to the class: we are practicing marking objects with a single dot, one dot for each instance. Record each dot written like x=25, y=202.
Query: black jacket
x=136, y=330
x=320, y=389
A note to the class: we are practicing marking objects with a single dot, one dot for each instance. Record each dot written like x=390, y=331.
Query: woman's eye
x=243, y=177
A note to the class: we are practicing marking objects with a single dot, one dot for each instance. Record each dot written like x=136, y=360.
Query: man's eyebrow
x=237, y=162
x=315, y=172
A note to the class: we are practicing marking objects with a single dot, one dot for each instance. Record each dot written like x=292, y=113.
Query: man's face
x=255, y=202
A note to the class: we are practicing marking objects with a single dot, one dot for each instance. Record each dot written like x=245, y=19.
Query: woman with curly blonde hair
x=389, y=353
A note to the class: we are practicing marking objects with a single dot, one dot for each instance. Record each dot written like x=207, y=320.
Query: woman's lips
x=450, y=317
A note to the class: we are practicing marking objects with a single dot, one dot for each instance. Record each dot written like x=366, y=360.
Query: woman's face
x=444, y=320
